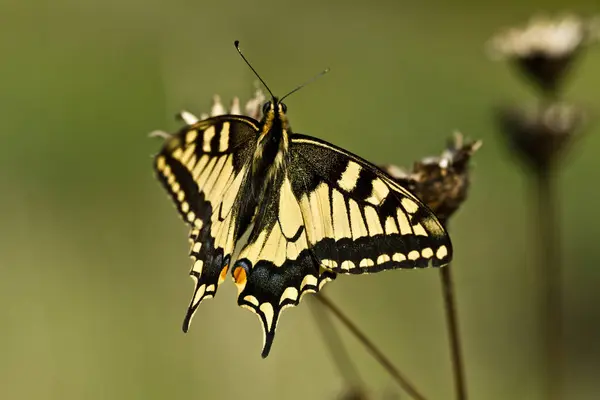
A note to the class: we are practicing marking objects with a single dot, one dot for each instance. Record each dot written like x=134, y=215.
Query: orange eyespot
x=223, y=273
x=239, y=276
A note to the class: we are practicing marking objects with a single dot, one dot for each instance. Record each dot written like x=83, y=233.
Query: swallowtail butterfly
x=313, y=209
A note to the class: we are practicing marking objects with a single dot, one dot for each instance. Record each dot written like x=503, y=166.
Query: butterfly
x=313, y=210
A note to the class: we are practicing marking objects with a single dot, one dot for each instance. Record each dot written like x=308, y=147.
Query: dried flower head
x=545, y=48
x=541, y=135
x=252, y=108
x=440, y=182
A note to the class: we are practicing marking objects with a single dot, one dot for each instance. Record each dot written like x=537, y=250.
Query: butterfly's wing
x=358, y=220
x=276, y=267
x=331, y=212
x=204, y=167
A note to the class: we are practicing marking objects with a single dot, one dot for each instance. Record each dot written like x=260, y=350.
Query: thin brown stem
x=339, y=353
x=453, y=332
x=402, y=381
x=549, y=277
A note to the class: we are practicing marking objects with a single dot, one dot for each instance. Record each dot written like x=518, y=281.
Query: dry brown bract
x=440, y=182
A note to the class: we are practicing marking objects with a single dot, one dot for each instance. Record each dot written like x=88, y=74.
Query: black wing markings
x=376, y=227
x=276, y=268
x=338, y=217
x=203, y=168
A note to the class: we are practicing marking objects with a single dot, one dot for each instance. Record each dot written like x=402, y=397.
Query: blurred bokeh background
x=93, y=256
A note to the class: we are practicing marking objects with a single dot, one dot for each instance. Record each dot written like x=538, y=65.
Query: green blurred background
x=93, y=257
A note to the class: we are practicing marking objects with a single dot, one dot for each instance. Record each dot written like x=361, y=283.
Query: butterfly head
x=274, y=124
x=274, y=115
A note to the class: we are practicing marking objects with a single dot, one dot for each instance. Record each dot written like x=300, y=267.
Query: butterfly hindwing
x=203, y=167
x=358, y=219
x=277, y=266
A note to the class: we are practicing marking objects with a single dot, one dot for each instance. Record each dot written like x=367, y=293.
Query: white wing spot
x=347, y=265
x=413, y=255
x=191, y=136
x=289, y=293
x=398, y=257
x=252, y=300
x=208, y=135
x=309, y=280
x=224, y=138
x=366, y=262
x=427, y=252
x=198, y=267
x=197, y=246
x=442, y=252
x=185, y=207
x=379, y=193
x=191, y=217
x=160, y=163
x=350, y=176
x=409, y=205
x=419, y=230
x=383, y=259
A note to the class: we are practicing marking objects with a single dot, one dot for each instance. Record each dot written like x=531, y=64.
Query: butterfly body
x=313, y=210
x=272, y=144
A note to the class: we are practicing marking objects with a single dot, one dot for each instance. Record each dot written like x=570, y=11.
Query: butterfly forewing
x=204, y=167
x=357, y=219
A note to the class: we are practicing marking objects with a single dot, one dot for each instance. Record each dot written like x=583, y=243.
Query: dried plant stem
x=453, y=332
x=338, y=351
x=375, y=352
x=549, y=277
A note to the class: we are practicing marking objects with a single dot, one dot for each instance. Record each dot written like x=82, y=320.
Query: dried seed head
x=440, y=182
x=252, y=108
x=541, y=135
x=545, y=48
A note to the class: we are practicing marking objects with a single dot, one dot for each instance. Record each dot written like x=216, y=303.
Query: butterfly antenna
x=237, y=46
x=314, y=78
